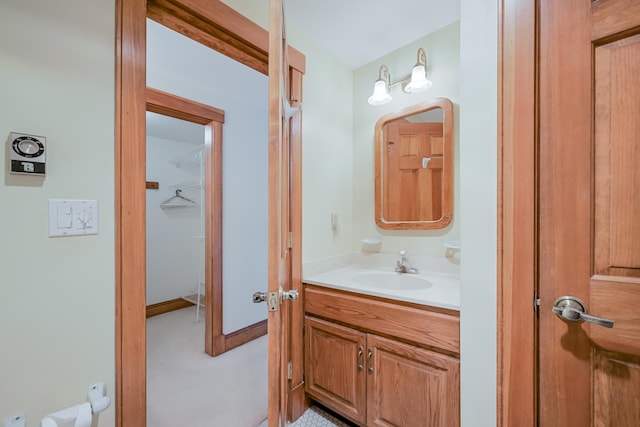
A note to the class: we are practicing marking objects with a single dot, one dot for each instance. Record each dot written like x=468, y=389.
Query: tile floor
x=316, y=417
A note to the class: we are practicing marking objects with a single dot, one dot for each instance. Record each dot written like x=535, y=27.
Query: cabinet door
x=409, y=386
x=334, y=367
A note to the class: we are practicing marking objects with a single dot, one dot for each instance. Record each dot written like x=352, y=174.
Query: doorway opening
x=219, y=27
x=225, y=180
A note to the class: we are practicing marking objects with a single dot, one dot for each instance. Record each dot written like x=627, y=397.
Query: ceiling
x=360, y=31
x=161, y=126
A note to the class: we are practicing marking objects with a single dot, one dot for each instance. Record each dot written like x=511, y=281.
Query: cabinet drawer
x=428, y=327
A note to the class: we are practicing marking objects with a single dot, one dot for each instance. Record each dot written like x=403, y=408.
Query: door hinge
x=536, y=302
x=289, y=370
x=290, y=240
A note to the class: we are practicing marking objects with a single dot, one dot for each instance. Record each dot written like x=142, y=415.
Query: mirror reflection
x=414, y=167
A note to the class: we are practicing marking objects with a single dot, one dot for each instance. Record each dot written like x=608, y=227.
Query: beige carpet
x=185, y=387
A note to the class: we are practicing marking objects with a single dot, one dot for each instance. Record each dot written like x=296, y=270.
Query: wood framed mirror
x=414, y=167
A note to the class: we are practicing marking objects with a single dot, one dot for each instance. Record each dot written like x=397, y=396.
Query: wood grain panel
x=617, y=233
x=214, y=336
x=616, y=390
x=565, y=166
x=130, y=206
x=517, y=98
x=244, y=335
x=218, y=26
x=412, y=192
x=167, y=306
x=602, y=158
x=334, y=354
x=428, y=384
x=616, y=298
x=417, y=324
x=200, y=22
x=614, y=16
x=175, y=106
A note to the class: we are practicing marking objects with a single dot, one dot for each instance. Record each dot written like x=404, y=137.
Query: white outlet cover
x=72, y=217
x=19, y=420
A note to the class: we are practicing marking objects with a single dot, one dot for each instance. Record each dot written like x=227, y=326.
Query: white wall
x=327, y=156
x=175, y=253
x=57, y=305
x=478, y=189
x=327, y=143
x=183, y=67
x=442, y=48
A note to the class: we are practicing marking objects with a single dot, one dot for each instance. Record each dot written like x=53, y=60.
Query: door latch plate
x=273, y=301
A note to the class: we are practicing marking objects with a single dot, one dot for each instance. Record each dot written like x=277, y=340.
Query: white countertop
x=442, y=289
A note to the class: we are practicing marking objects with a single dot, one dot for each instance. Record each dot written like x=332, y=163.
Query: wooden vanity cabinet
x=371, y=376
x=334, y=367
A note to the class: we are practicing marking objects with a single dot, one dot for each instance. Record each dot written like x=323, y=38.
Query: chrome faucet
x=403, y=266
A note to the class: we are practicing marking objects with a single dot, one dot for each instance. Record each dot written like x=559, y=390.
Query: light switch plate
x=72, y=217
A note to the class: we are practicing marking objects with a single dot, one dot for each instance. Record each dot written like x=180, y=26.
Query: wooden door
x=589, y=206
x=280, y=218
x=409, y=386
x=414, y=188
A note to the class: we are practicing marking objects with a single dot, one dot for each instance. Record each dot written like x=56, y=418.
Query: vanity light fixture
x=417, y=83
x=381, y=87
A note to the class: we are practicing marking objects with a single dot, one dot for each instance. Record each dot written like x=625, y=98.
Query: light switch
x=334, y=221
x=72, y=217
x=64, y=216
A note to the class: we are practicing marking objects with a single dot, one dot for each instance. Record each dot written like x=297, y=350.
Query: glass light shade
x=419, y=81
x=381, y=93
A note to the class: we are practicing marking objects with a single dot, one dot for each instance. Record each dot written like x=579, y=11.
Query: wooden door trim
x=218, y=26
x=167, y=306
x=212, y=118
x=130, y=223
x=130, y=165
x=517, y=213
x=177, y=107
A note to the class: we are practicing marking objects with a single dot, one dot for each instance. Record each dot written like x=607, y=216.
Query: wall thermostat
x=27, y=153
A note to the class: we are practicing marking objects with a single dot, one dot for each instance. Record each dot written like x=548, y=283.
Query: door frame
x=223, y=29
x=212, y=119
x=517, y=213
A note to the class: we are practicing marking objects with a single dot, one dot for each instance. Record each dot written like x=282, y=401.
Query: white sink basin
x=393, y=281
